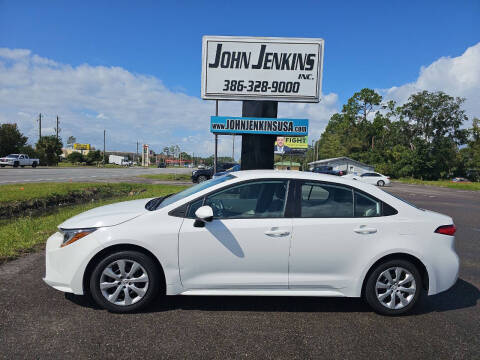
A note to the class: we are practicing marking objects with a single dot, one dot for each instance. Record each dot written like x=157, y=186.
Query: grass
x=167, y=177
x=25, y=234
x=442, y=183
x=23, y=192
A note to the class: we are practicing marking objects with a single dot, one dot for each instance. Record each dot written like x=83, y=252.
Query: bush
x=75, y=157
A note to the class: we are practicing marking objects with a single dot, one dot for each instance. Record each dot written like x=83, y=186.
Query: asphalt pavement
x=39, y=322
x=10, y=175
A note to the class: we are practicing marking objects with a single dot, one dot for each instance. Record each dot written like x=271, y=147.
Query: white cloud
x=457, y=76
x=129, y=106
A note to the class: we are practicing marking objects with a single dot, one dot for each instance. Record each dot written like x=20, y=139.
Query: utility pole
x=39, y=126
x=216, y=143
x=57, y=130
x=136, y=154
x=104, y=147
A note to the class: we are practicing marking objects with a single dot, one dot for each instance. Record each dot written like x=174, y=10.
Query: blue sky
x=376, y=44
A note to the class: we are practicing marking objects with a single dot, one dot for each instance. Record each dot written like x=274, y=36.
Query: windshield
x=13, y=156
x=194, y=189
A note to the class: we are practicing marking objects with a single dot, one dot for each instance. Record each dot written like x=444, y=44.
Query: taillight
x=446, y=230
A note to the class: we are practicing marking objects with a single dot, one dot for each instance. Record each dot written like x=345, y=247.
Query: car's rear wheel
x=381, y=183
x=202, y=178
x=125, y=281
x=34, y=165
x=394, y=287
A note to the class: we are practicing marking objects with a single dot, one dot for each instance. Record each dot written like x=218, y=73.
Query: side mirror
x=203, y=214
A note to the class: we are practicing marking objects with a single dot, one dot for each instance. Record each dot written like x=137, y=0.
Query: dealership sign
x=255, y=68
x=251, y=125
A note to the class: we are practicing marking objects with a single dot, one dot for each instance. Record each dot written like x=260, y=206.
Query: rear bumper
x=445, y=273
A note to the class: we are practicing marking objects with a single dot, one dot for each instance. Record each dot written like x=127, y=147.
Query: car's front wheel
x=125, y=281
x=394, y=287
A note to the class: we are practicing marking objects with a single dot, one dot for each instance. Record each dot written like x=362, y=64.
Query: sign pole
x=216, y=143
x=258, y=150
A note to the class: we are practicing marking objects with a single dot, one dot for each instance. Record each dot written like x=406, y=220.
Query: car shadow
x=462, y=295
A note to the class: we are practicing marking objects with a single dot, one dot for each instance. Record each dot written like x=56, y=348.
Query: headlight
x=72, y=235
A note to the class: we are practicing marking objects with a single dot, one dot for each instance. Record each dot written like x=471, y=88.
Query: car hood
x=108, y=215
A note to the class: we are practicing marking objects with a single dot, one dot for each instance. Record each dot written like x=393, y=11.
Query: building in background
x=344, y=164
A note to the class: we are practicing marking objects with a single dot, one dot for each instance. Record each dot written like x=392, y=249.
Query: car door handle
x=277, y=232
x=365, y=230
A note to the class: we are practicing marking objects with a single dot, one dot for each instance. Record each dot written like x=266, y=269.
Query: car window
x=262, y=199
x=325, y=201
x=194, y=189
x=365, y=206
x=375, y=174
x=194, y=207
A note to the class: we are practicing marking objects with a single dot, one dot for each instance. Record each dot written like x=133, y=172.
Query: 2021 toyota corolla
x=255, y=233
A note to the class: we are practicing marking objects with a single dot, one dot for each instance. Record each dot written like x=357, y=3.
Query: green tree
x=420, y=138
x=94, y=157
x=11, y=139
x=49, y=148
x=435, y=121
x=470, y=155
x=75, y=157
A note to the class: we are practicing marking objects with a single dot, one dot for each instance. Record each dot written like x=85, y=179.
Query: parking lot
x=37, y=321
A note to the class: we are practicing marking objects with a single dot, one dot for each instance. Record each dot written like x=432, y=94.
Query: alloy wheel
x=395, y=288
x=124, y=282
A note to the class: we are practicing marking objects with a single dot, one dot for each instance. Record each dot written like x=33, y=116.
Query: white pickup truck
x=17, y=160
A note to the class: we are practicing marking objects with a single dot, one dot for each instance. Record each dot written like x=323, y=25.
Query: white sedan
x=370, y=178
x=258, y=233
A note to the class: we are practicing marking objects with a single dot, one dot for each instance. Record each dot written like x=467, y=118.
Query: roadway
x=39, y=322
x=84, y=174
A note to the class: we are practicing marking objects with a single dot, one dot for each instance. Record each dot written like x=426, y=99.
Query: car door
x=336, y=230
x=21, y=160
x=247, y=243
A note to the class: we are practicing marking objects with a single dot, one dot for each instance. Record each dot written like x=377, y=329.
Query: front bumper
x=65, y=266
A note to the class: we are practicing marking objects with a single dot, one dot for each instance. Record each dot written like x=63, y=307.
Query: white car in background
x=257, y=233
x=370, y=178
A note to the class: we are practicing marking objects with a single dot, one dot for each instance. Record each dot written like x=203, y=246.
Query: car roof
x=294, y=174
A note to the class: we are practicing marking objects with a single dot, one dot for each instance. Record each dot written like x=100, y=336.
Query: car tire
x=15, y=164
x=202, y=178
x=34, y=165
x=2, y=165
x=137, y=297
x=407, y=289
x=381, y=183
